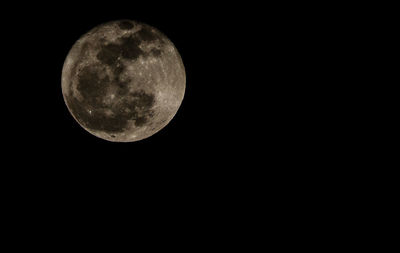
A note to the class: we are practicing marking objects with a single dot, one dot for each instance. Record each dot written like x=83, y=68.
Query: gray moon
x=123, y=81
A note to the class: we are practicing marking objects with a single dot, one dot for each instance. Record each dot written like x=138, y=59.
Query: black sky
x=262, y=149
x=241, y=107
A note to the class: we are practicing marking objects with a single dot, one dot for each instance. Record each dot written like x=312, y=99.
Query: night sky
x=245, y=111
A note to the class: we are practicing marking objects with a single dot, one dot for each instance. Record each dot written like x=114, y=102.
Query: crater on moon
x=123, y=81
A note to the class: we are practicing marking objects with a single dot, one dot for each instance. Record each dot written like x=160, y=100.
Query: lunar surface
x=123, y=81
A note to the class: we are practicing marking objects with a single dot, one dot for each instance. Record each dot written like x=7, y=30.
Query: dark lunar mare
x=127, y=47
x=140, y=110
x=125, y=25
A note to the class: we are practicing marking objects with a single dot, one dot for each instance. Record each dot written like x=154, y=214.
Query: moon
x=123, y=81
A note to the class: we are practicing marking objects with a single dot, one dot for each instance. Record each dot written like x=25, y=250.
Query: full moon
x=123, y=81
